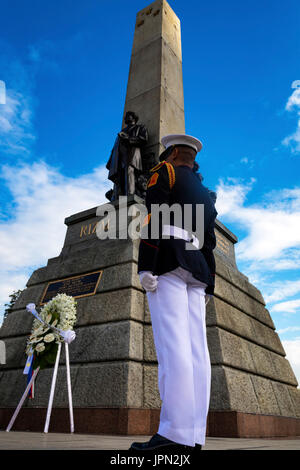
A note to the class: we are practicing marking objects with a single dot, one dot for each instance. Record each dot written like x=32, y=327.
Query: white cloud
x=247, y=162
x=42, y=197
x=273, y=225
x=289, y=259
x=16, y=124
x=293, y=140
x=272, y=240
x=294, y=100
x=9, y=282
x=271, y=244
x=231, y=195
x=290, y=306
x=17, y=133
x=283, y=289
x=32, y=229
x=295, y=84
x=293, y=103
x=292, y=349
x=2, y=92
x=288, y=329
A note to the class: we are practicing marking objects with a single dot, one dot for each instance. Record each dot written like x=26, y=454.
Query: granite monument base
x=113, y=361
x=143, y=421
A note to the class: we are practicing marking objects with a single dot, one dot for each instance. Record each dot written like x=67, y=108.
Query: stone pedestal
x=113, y=359
x=254, y=390
x=107, y=356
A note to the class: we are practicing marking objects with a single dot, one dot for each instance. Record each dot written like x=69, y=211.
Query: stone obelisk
x=113, y=361
x=155, y=85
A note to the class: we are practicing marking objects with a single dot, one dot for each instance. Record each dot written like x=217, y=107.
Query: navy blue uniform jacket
x=179, y=184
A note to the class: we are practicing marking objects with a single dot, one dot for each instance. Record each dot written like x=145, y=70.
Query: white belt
x=172, y=230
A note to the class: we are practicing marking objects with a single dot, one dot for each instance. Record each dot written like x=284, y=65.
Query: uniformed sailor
x=178, y=282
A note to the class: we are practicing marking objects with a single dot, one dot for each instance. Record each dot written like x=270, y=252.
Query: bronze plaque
x=76, y=286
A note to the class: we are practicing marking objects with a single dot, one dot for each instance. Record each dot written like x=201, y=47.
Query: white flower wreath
x=59, y=312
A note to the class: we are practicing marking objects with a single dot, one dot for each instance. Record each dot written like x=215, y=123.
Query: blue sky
x=65, y=65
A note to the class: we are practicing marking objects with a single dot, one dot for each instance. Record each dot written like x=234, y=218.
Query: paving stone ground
x=15, y=440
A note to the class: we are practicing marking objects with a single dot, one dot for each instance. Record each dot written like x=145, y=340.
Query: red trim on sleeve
x=152, y=246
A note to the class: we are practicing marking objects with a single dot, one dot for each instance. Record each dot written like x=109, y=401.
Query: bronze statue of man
x=125, y=162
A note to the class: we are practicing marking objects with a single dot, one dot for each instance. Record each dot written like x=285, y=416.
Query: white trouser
x=177, y=309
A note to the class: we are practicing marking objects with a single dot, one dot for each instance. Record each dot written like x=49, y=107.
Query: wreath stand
x=50, y=403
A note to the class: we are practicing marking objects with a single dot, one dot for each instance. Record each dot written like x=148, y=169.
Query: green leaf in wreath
x=51, y=354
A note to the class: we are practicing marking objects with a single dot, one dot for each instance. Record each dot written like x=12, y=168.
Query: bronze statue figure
x=125, y=161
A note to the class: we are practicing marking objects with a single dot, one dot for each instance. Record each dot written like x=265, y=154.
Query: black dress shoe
x=198, y=447
x=158, y=442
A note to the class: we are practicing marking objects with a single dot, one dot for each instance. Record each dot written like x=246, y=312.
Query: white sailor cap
x=181, y=139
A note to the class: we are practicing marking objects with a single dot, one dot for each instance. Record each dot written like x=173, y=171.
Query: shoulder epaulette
x=171, y=173
x=158, y=166
x=170, y=169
